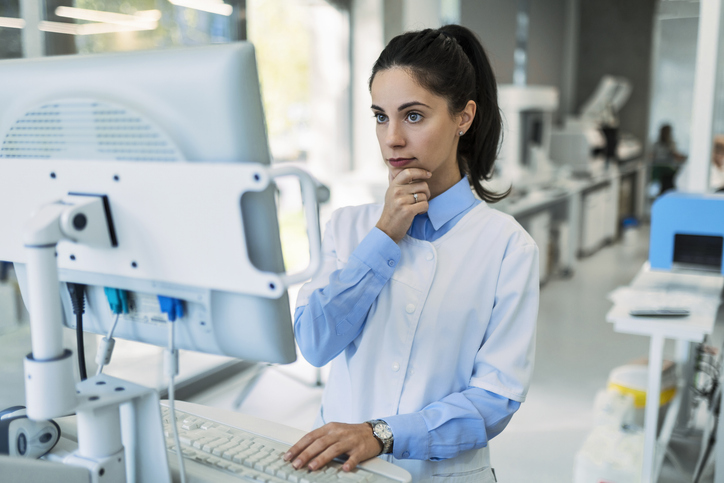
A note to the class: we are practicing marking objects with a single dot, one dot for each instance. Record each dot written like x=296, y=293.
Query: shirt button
x=412, y=372
x=396, y=366
x=410, y=308
x=391, y=263
x=406, y=454
x=430, y=256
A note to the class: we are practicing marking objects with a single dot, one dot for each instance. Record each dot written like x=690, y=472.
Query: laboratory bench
x=575, y=216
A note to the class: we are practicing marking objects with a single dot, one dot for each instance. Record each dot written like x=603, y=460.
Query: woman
x=426, y=306
x=666, y=159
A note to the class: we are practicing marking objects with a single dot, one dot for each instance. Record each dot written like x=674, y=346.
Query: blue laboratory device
x=687, y=231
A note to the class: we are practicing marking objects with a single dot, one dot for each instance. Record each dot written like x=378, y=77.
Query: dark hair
x=451, y=63
x=665, y=134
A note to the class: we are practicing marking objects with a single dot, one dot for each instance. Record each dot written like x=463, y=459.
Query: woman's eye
x=414, y=117
x=381, y=118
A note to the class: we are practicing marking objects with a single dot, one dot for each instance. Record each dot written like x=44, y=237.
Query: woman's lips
x=399, y=162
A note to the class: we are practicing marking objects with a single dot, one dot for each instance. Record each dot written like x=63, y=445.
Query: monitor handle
x=311, y=213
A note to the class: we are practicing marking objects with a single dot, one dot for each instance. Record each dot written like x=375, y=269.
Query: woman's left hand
x=322, y=445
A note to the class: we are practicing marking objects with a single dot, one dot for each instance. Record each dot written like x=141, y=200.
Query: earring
x=460, y=133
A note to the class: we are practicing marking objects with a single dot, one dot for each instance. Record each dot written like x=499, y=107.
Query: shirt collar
x=446, y=206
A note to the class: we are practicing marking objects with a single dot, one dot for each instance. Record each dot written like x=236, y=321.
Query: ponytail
x=451, y=63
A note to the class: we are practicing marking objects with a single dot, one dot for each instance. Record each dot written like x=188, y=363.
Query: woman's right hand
x=400, y=204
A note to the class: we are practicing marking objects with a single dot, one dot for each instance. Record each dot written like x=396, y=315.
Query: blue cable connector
x=117, y=299
x=173, y=308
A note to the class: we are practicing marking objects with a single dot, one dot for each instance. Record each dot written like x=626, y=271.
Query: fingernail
x=288, y=456
x=312, y=466
x=345, y=468
x=297, y=464
x=429, y=174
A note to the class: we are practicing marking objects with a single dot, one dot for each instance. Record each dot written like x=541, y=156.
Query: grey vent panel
x=87, y=129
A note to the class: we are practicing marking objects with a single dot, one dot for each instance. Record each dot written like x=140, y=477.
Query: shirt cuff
x=379, y=252
x=411, y=436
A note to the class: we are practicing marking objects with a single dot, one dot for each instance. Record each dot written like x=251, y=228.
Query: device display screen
x=701, y=251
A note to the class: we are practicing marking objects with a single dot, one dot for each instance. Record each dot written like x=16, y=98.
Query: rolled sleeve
x=412, y=439
x=444, y=429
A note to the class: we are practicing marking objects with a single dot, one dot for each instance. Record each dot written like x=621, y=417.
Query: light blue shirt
x=335, y=315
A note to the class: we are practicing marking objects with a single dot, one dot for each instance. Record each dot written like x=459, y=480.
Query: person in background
x=716, y=173
x=716, y=169
x=426, y=305
x=666, y=159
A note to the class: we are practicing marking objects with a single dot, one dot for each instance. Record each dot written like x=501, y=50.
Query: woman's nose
x=394, y=137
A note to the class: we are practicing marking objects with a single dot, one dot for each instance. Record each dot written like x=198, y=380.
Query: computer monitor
x=198, y=104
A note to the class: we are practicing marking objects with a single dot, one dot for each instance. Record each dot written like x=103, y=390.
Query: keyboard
x=222, y=446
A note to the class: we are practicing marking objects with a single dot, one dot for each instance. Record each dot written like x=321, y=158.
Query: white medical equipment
x=580, y=142
x=206, y=234
x=527, y=123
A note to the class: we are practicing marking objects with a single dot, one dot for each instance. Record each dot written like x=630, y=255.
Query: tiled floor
x=576, y=349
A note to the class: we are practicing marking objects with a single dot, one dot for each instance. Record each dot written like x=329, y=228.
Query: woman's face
x=415, y=128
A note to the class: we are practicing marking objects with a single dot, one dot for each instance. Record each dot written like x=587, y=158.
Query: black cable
x=81, y=346
x=77, y=298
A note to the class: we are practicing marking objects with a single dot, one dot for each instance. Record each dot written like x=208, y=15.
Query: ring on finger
x=414, y=195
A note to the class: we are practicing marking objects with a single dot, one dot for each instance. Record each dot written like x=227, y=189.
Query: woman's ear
x=466, y=116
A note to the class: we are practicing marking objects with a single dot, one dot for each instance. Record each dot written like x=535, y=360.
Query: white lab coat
x=458, y=312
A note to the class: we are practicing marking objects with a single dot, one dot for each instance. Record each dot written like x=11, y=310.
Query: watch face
x=383, y=431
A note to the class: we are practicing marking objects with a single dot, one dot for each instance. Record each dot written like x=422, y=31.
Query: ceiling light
x=12, y=23
x=88, y=28
x=107, y=28
x=146, y=20
x=58, y=27
x=212, y=6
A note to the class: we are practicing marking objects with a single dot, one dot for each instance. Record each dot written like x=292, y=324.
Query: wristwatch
x=382, y=432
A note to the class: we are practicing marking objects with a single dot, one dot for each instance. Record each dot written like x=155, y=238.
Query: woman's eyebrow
x=410, y=104
x=402, y=107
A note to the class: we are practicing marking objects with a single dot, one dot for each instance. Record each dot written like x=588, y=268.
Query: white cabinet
x=599, y=217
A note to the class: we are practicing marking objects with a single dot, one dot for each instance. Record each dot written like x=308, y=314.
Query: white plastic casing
x=49, y=387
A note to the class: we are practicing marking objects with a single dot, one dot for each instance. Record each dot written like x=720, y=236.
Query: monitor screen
x=198, y=104
x=703, y=252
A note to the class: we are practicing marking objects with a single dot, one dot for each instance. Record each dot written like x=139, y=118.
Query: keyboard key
x=241, y=440
x=350, y=477
x=199, y=443
x=219, y=450
x=216, y=434
x=230, y=453
x=209, y=447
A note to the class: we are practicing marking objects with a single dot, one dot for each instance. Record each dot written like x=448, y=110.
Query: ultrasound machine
x=143, y=176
